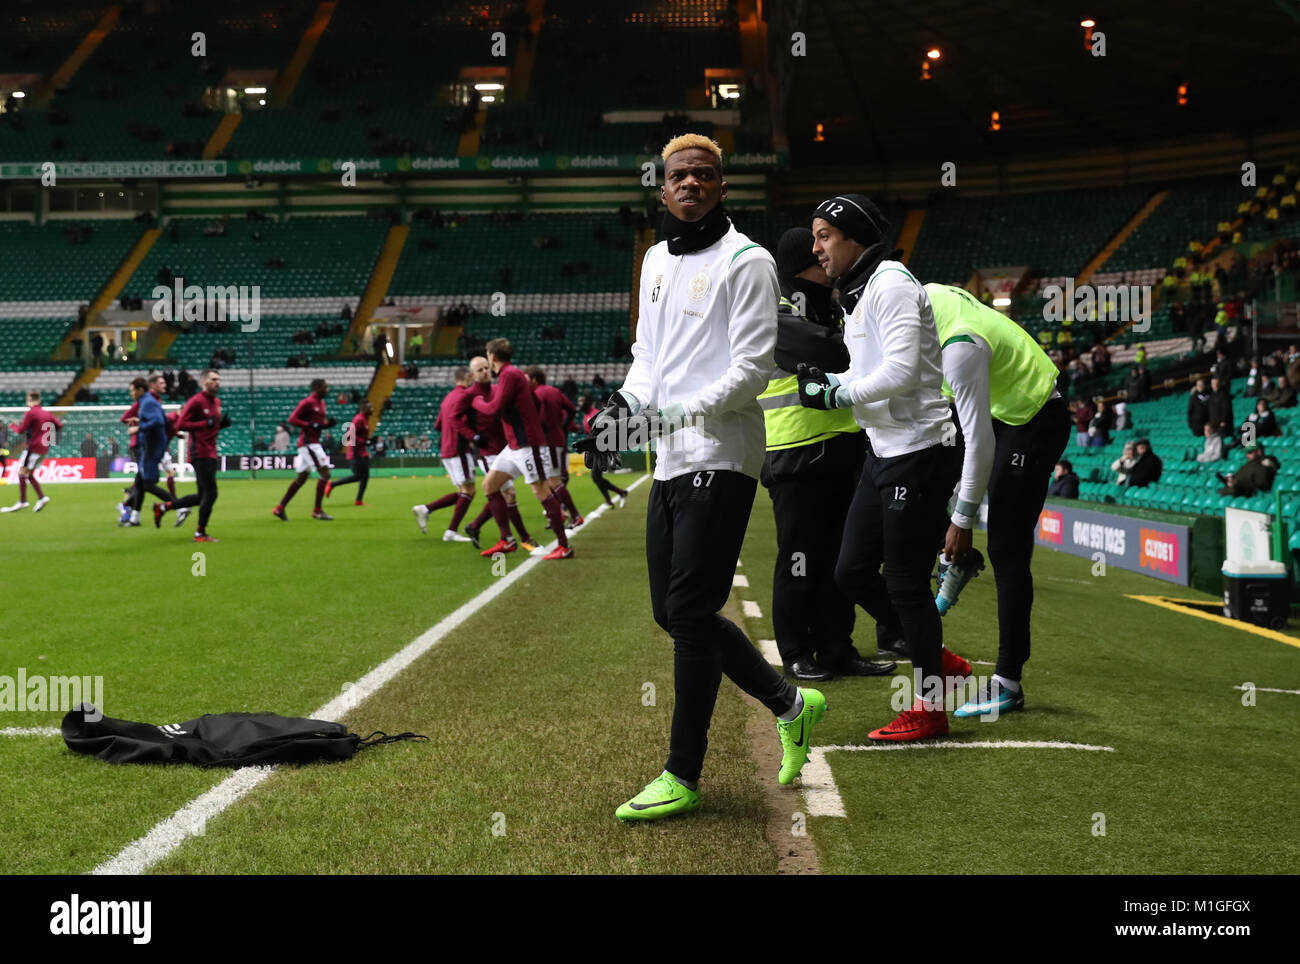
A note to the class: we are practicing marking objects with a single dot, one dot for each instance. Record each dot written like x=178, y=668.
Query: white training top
x=705, y=335
x=894, y=378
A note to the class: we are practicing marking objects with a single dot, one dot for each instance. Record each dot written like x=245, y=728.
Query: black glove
x=816, y=390
x=476, y=440
x=616, y=411
x=225, y=420
x=330, y=423
x=596, y=458
x=209, y=422
x=315, y=425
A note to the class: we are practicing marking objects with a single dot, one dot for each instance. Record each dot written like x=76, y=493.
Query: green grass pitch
x=551, y=705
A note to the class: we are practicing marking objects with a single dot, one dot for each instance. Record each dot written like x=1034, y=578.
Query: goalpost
x=72, y=456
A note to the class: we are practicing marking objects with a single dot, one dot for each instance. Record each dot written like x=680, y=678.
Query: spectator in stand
x=1138, y=386
x=1218, y=408
x=1213, y=446
x=88, y=447
x=1083, y=413
x=1198, y=412
x=1261, y=423
x=1282, y=394
x=1256, y=380
x=1222, y=365
x=1124, y=464
x=281, y=441
x=1100, y=425
x=1123, y=417
x=1100, y=359
x=1255, y=476
x=1147, y=468
x=1065, y=484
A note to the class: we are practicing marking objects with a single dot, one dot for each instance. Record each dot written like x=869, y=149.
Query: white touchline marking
x=822, y=796
x=31, y=731
x=168, y=834
x=1267, y=689
x=739, y=581
x=769, y=651
x=750, y=608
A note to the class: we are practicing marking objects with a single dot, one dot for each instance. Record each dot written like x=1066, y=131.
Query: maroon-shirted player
x=40, y=427
x=311, y=418
x=557, y=414
x=358, y=453
x=201, y=419
x=526, y=452
x=492, y=439
x=457, y=440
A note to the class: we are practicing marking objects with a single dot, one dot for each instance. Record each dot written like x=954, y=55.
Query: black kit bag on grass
x=216, y=739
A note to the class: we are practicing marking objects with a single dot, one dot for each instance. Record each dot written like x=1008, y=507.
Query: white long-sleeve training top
x=705, y=335
x=895, y=376
x=966, y=367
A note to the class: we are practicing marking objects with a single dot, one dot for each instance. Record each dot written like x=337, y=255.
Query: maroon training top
x=311, y=410
x=193, y=419
x=512, y=399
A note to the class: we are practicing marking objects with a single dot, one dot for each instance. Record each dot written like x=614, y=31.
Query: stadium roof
x=861, y=76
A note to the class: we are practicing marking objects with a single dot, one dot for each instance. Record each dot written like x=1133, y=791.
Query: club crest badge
x=697, y=289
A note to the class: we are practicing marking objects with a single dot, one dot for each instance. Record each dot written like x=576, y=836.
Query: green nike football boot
x=662, y=798
x=795, y=735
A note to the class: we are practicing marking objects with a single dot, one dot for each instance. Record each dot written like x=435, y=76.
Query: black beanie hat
x=794, y=252
x=856, y=216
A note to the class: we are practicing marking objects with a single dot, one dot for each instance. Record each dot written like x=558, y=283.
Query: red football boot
x=918, y=723
x=501, y=546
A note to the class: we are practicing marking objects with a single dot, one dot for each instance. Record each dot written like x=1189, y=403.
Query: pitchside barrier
x=1183, y=549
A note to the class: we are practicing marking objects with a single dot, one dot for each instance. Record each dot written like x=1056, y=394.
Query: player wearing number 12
x=703, y=352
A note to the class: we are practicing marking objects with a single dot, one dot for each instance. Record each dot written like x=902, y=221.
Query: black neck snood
x=687, y=236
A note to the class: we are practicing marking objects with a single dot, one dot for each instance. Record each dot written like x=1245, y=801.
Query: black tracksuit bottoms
x=898, y=519
x=810, y=616
x=205, y=475
x=695, y=526
x=1022, y=467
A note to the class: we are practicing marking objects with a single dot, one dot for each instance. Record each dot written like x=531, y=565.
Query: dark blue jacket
x=152, y=436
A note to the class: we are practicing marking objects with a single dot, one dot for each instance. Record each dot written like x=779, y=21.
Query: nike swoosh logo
x=799, y=742
x=651, y=806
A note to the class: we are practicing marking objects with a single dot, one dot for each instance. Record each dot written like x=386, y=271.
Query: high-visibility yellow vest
x=790, y=425
x=1021, y=376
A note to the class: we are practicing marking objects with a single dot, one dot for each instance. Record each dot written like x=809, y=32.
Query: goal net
x=94, y=445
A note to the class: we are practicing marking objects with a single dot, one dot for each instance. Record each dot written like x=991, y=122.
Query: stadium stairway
x=911, y=228
x=468, y=144
x=85, y=378
x=381, y=387
x=226, y=128
x=288, y=79
x=109, y=293
x=377, y=287
x=61, y=77
x=1111, y=246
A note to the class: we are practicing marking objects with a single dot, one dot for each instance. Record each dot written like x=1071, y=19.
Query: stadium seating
x=960, y=235
x=564, y=253
x=1185, y=485
x=323, y=256
x=139, y=94
x=43, y=263
x=1189, y=213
